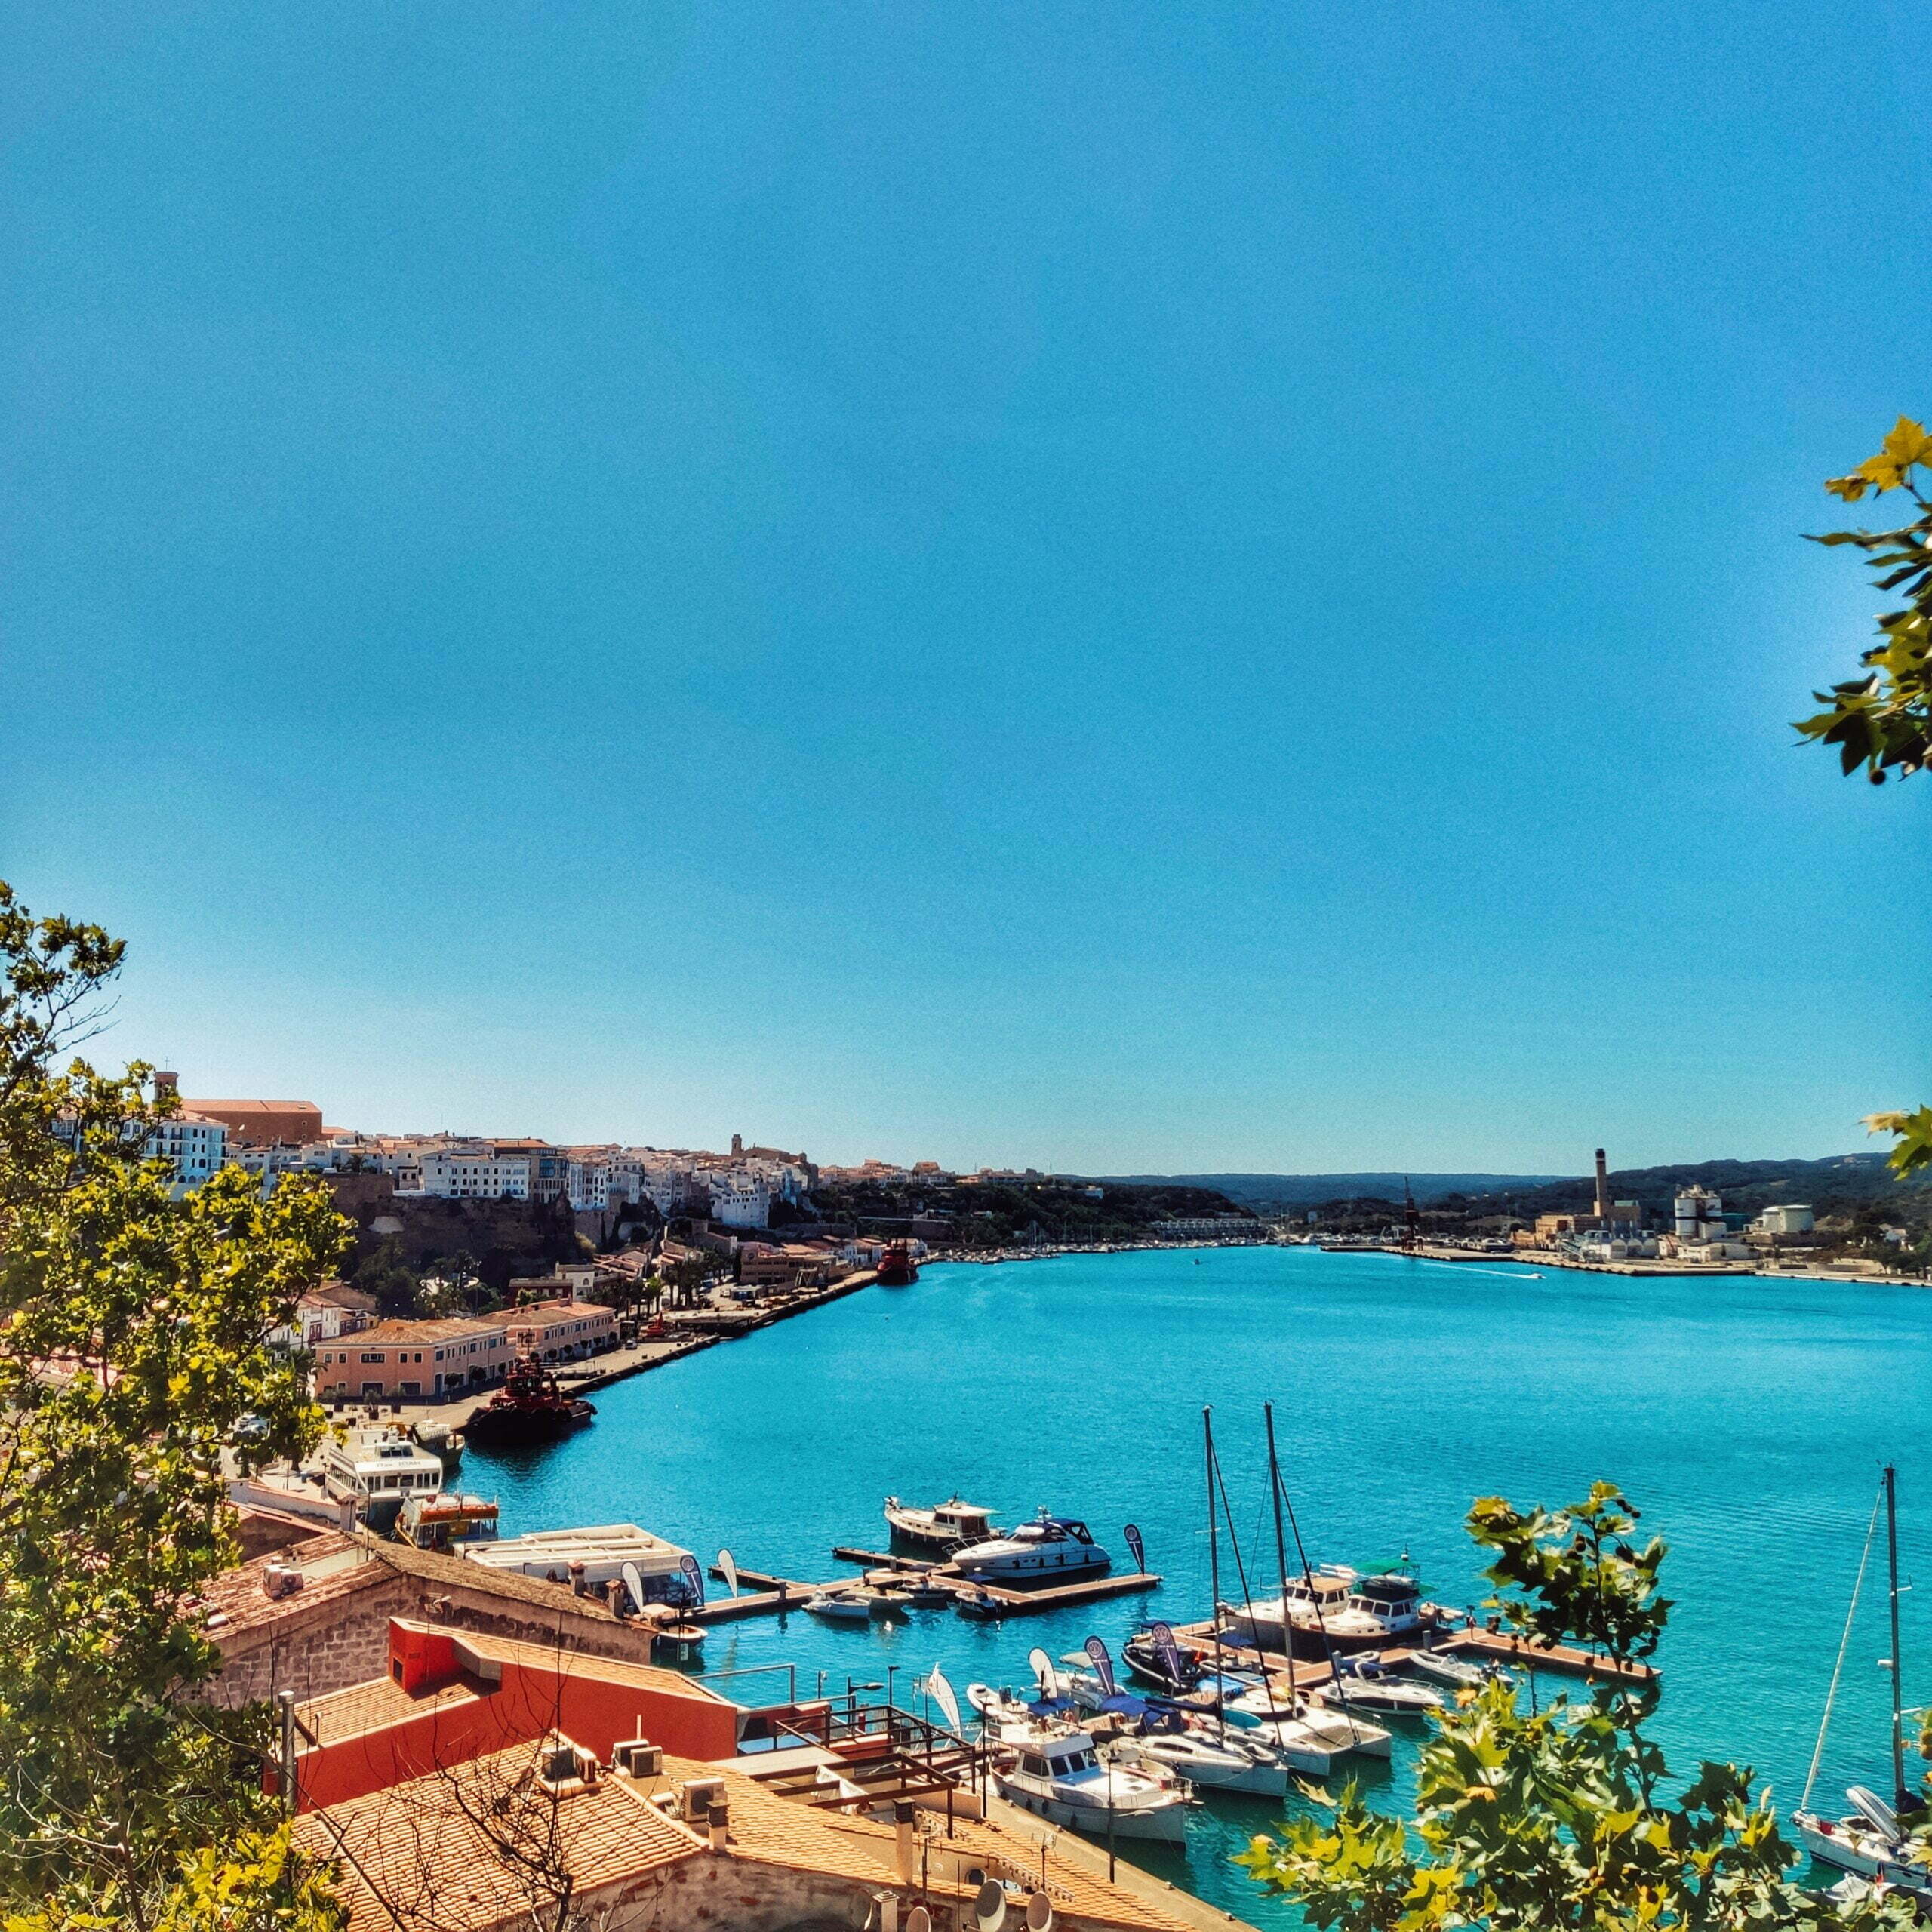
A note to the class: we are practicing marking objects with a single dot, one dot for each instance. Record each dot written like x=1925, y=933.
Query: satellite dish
x=634, y=1584
x=864, y=1912
x=1039, y=1913
x=940, y=1691
x=730, y=1571
x=989, y=1907
x=918, y=1920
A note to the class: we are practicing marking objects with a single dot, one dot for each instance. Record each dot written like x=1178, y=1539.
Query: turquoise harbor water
x=1747, y=1418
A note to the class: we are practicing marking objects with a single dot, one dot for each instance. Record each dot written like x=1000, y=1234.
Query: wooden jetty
x=1503, y=1645
x=769, y=1594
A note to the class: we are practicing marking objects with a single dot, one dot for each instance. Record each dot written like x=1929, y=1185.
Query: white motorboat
x=1364, y=1684
x=378, y=1470
x=1059, y=1777
x=843, y=1606
x=1459, y=1673
x=446, y=1519
x=1049, y=1546
x=945, y=1528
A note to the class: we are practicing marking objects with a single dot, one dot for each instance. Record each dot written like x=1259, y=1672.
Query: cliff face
x=502, y=1238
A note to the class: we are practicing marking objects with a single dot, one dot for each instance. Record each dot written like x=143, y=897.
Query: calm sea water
x=1747, y=1418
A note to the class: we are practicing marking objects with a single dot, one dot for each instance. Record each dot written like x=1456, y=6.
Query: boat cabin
x=966, y=1520
x=447, y=1521
x=1061, y=1757
x=1052, y=1529
x=1394, y=1599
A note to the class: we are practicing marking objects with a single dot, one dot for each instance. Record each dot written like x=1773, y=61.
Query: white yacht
x=1059, y=1777
x=1870, y=1842
x=947, y=1526
x=378, y=1470
x=1049, y=1546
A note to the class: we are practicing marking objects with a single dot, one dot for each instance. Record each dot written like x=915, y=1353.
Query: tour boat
x=1059, y=1777
x=446, y=1519
x=897, y=1268
x=529, y=1407
x=379, y=1471
x=1049, y=1546
x=946, y=1526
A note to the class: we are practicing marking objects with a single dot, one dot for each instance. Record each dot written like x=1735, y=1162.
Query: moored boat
x=945, y=1528
x=1049, y=1546
x=846, y=1606
x=378, y=1470
x=897, y=1268
x=1058, y=1775
x=530, y=1407
x=446, y=1519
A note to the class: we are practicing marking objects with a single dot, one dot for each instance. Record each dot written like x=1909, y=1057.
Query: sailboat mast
x=1214, y=1563
x=1901, y=1797
x=1281, y=1547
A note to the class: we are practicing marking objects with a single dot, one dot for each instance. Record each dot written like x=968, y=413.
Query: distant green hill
x=1261, y=1190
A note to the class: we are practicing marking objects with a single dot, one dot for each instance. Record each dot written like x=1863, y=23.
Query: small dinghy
x=1363, y=1684
x=1459, y=1673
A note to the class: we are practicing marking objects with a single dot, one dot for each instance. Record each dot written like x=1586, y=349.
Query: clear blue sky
x=1116, y=587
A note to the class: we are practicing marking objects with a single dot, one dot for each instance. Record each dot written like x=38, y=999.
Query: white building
x=475, y=1172
x=739, y=1198
x=589, y=1185
x=197, y=1147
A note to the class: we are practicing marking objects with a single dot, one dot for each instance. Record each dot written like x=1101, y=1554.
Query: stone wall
x=340, y=1635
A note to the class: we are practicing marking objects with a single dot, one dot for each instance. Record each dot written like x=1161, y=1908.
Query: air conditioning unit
x=639, y=1758
x=696, y=1798
x=280, y=1580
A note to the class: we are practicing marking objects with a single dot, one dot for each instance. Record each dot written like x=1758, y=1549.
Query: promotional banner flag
x=940, y=1691
x=1139, y=1549
x=730, y=1571
x=1103, y=1665
x=693, y=1578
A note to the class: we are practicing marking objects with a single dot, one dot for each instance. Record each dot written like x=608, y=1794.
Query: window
x=375, y=1355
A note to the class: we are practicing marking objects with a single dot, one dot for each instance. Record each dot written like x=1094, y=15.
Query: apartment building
x=195, y=1145
x=412, y=1361
x=474, y=1171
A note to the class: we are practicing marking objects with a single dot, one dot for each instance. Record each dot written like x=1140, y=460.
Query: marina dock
x=770, y=1593
x=1501, y=1646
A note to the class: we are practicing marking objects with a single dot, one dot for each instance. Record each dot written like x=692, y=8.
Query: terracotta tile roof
x=454, y=1328
x=414, y=1856
x=333, y=1564
x=380, y=1702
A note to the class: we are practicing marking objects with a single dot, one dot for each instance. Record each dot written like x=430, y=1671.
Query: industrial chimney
x=1603, y=1187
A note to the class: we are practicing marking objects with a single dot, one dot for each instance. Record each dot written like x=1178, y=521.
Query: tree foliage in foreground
x=1559, y=1818
x=133, y=1349
x=1882, y=721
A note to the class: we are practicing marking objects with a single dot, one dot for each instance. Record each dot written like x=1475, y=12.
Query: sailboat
x=1870, y=1841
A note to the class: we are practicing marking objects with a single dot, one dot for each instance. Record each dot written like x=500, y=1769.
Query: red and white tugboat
x=530, y=1407
x=897, y=1268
